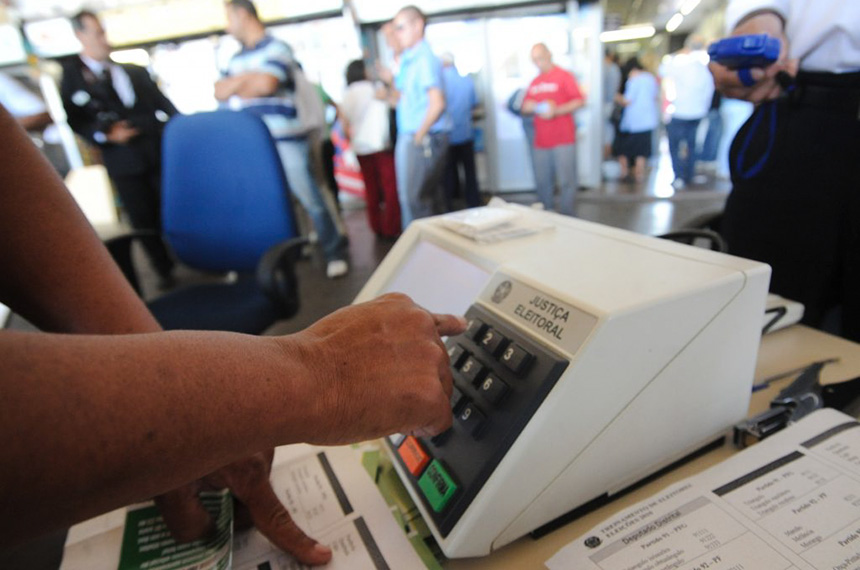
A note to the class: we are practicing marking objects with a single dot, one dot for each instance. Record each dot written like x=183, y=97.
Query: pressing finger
x=448, y=325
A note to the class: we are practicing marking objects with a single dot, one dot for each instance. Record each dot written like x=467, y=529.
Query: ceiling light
x=689, y=6
x=625, y=33
x=674, y=22
x=136, y=56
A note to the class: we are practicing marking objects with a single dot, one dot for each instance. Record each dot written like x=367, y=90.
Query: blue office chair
x=225, y=208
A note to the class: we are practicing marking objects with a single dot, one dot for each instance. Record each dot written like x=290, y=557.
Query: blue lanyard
x=768, y=108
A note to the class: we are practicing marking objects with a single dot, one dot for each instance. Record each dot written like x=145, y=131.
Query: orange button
x=415, y=458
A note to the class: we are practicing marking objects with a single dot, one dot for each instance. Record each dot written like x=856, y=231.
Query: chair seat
x=239, y=307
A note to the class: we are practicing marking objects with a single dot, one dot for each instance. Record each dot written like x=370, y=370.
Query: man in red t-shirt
x=552, y=98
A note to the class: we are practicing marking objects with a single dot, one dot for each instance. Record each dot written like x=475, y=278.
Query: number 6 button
x=493, y=389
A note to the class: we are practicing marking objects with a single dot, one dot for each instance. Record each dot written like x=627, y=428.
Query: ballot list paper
x=789, y=502
x=333, y=499
x=328, y=493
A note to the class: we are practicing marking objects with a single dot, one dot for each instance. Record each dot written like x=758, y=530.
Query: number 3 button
x=516, y=359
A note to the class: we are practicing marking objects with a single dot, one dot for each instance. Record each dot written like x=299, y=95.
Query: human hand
x=548, y=111
x=225, y=88
x=256, y=504
x=121, y=132
x=374, y=369
x=384, y=74
x=766, y=86
x=528, y=107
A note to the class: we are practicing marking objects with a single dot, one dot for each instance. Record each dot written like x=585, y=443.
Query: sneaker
x=336, y=268
x=678, y=184
x=700, y=179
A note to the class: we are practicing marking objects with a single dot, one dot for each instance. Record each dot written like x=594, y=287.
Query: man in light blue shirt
x=422, y=122
x=461, y=100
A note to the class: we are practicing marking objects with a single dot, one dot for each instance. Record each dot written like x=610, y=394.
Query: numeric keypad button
x=492, y=341
x=472, y=370
x=516, y=359
x=492, y=389
x=472, y=419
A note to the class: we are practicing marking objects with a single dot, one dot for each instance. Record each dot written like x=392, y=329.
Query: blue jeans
x=419, y=170
x=556, y=165
x=683, y=131
x=295, y=158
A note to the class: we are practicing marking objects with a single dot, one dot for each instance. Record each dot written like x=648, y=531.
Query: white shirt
x=120, y=79
x=688, y=83
x=367, y=116
x=823, y=34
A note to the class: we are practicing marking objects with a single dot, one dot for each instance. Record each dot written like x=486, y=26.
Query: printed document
x=789, y=502
x=327, y=491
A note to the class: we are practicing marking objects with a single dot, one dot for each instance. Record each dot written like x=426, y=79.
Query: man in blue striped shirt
x=261, y=79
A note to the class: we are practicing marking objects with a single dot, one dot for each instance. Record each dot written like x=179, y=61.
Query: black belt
x=835, y=93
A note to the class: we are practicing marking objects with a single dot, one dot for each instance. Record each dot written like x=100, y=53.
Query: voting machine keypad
x=500, y=380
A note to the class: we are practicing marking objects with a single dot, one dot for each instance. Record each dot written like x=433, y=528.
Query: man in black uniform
x=795, y=202
x=119, y=109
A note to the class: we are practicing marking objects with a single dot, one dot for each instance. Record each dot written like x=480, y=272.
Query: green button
x=437, y=486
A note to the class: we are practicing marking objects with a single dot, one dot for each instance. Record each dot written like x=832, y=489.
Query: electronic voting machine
x=593, y=358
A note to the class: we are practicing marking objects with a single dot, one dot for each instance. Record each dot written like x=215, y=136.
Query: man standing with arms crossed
x=552, y=98
x=422, y=122
x=262, y=79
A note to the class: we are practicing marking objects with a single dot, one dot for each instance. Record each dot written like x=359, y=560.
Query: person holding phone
x=552, y=98
x=795, y=202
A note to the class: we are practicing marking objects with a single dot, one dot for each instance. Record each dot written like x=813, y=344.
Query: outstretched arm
x=92, y=422
x=97, y=420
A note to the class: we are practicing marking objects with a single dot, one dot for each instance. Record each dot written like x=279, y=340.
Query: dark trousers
x=141, y=198
x=380, y=186
x=461, y=155
x=328, y=169
x=801, y=212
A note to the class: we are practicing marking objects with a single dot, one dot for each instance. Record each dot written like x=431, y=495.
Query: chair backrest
x=225, y=198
